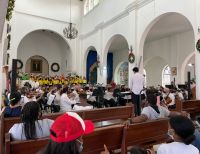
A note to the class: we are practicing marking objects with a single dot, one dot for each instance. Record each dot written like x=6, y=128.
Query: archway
x=91, y=65
x=166, y=76
x=37, y=65
x=49, y=45
x=167, y=37
x=121, y=73
x=116, y=51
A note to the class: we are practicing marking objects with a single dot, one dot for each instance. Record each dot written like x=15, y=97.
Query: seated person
x=108, y=98
x=182, y=131
x=67, y=100
x=66, y=134
x=31, y=127
x=153, y=110
x=14, y=109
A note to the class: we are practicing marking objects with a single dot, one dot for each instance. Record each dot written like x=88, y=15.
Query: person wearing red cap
x=66, y=133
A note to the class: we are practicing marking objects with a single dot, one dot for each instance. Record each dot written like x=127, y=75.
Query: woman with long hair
x=31, y=127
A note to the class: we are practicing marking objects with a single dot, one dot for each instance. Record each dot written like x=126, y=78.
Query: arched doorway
x=91, y=66
x=170, y=37
x=121, y=73
x=37, y=65
x=117, y=52
x=49, y=45
x=166, y=76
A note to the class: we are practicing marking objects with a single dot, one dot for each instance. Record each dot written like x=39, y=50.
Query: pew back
x=104, y=114
x=24, y=147
x=95, y=115
x=192, y=107
x=147, y=134
x=110, y=136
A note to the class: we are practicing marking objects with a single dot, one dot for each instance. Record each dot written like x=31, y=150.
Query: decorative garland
x=11, y=5
x=131, y=56
x=198, y=45
x=53, y=67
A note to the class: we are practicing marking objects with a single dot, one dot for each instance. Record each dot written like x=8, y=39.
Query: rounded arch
x=117, y=73
x=48, y=44
x=49, y=30
x=184, y=65
x=93, y=48
x=166, y=76
x=152, y=22
x=90, y=64
x=37, y=64
x=108, y=44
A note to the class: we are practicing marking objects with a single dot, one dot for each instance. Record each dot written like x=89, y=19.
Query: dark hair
x=135, y=69
x=15, y=97
x=137, y=150
x=61, y=148
x=24, y=90
x=184, y=128
x=152, y=99
x=30, y=114
x=64, y=90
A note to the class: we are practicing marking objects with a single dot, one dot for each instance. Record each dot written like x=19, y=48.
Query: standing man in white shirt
x=136, y=85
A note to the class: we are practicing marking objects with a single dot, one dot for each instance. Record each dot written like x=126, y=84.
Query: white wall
x=154, y=71
x=48, y=45
x=173, y=50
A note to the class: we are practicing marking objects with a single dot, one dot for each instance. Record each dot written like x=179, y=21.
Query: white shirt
x=65, y=103
x=57, y=98
x=42, y=129
x=137, y=83
x=171, y=95
x=24, y=100
x=177, y=148
x=77, y=99
x=152, y=114
x=108, y=95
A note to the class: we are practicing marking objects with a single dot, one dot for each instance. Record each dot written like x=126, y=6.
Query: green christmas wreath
x=11, y=5
x=198, y=45
x=131, y=58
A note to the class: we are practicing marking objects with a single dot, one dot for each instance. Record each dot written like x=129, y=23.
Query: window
x=89, y=5
x=166, y=76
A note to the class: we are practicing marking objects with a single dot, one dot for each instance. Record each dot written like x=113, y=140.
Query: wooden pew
x=146, y=134
x=93, y=143
x=24, y=147
x=192, y=107
x=110, y=136
x=104, y=114
x=96, y=115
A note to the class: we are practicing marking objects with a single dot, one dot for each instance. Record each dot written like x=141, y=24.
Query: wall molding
x=131, y=7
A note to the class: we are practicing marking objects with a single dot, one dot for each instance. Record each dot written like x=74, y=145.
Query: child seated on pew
x=31, y=127
x=66, y=134
x=14, y=109
x=182, y=131
x=154, y=110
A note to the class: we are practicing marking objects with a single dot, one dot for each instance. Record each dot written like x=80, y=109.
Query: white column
x=197, y=54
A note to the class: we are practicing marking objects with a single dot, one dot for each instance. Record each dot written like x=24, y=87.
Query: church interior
x=130, y=67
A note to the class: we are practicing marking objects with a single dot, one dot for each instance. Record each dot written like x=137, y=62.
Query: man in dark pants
x=136, y=85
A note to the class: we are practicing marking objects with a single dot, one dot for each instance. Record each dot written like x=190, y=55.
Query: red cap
x=69, y=127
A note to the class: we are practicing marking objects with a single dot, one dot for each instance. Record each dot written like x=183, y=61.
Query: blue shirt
x=12, y=112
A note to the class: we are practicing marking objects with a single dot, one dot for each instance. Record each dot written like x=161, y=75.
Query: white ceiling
x=170, y=24
x=119, y=43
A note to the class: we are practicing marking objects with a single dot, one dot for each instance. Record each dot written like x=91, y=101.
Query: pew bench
x=116, y=137
x=96, y=115
x=192, y=107
x=146, y=134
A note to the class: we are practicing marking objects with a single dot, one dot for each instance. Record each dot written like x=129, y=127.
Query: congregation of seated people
x=28, y=103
